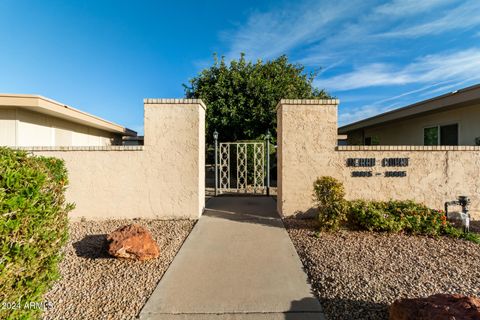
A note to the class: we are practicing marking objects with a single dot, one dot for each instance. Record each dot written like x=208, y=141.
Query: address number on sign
x=395, y=173
x=362, y=174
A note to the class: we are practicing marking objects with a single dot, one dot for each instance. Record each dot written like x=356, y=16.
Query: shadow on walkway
x=255, y=209
x=296, y=313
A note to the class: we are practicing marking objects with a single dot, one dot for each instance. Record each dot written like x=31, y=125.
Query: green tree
x=241, y=97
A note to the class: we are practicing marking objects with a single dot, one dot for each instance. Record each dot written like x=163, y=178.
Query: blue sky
x=104, y=57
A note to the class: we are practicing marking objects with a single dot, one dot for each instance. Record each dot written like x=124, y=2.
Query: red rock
x=436, y=307
x=132, y=242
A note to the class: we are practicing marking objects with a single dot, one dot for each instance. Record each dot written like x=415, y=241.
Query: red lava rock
x=132, y=242
x=436, y=307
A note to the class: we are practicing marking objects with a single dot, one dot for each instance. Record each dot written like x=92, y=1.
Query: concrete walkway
x=237, y=263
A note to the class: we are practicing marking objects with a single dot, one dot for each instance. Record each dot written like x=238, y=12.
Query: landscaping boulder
x=436, y=307
x=132, y=242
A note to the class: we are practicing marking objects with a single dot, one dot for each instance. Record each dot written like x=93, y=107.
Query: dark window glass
x=430, y=136
x=449, y=135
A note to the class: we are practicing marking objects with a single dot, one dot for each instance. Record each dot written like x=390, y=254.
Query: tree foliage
x=241, y=96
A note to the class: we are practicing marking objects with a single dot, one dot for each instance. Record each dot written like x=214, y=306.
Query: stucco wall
x=412, y=129
x=163, y=179
x=307, y=150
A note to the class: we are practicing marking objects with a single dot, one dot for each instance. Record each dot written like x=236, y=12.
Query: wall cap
x=408, y=148
x=87, y=148
x=174, y=101
x=308, y=102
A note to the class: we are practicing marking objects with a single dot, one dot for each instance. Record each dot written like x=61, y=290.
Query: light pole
x=215, y=138
x=267, y=137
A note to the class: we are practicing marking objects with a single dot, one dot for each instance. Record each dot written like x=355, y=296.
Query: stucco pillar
x=175, y=143
x=306, y=137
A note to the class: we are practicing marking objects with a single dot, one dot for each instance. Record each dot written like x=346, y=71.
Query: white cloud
x=376, y=74
x=409, y=7
x=364, y=112
x=427, y=88
x=366, y=33
x=428, y=69
x=270, y=34
x=325, y=30
x=464, y=16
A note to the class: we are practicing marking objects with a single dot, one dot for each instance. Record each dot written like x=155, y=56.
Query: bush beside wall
x=329, y=194
x=396, y=216
x=381, y=216
x=33, y=229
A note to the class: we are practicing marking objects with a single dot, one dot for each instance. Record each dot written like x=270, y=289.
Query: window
x=449, y=135
x=430, y=136
x=441, y=135
x=372, y=141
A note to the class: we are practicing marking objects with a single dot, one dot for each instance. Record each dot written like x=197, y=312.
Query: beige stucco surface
x=307, y=150
x=164, y=179
x=410, y=131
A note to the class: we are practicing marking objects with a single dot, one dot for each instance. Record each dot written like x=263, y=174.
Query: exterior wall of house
x=163, y=179
x=410, y=131
x=8, y=128
x=307, y=132
x=23, y=128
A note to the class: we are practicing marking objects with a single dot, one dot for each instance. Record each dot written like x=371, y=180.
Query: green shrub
x=470, y=236
x=33, y=228
x=396, y=216
x=372, y=216
x=381, y=216
x=329, y=195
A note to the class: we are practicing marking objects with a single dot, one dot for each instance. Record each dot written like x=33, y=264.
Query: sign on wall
x=390, y=167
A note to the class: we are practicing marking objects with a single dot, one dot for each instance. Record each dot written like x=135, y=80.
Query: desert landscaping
x=96, y=285
x=357, y=275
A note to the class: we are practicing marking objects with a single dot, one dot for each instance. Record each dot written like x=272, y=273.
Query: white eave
x=56, y=109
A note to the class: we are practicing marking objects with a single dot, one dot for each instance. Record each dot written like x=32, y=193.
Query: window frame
x=438, y=126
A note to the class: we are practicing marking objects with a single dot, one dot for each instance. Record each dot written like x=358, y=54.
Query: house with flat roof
x=31, y=121
x=452, y=119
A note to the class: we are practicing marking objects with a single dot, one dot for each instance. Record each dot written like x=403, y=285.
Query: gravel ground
x=96, y=286
x=357, y=274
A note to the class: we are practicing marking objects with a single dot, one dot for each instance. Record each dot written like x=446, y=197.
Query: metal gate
x=242, y=167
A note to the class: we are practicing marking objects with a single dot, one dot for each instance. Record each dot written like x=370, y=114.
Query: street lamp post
x=267, y=137
x=215, y=138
